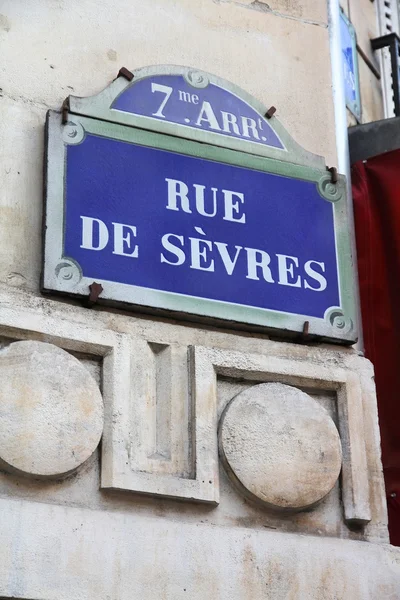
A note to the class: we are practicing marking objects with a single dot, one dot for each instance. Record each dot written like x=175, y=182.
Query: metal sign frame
x=94, y=115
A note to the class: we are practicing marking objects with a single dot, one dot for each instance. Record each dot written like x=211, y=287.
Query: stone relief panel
x=324, y=518
x=344, y=382
x=51, y=410
x=280, y=447
x=278, y=430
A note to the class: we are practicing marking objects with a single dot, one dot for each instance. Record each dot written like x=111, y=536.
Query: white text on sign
x=199, y=252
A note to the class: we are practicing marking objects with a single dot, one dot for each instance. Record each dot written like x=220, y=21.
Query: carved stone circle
x=280, y=446
x=51, y=410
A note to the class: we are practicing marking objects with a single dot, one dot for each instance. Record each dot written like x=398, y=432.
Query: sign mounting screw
x=95, y=291
x=270, y=112
x=124, y=72
x=64, y=111
x=334, y=175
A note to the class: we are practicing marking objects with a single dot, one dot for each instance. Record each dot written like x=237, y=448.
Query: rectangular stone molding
x=161, y=438
x=112, y=347
x=144, y=450
x=209, y=363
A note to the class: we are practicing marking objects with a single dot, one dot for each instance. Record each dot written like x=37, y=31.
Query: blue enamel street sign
x=167, y=223
x=161, y=220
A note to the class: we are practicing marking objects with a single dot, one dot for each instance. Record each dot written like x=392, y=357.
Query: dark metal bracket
x=304, y=336
x=391, y=41
x=95, y=291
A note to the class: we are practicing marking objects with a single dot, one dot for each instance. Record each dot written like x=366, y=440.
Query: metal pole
x=342, y=144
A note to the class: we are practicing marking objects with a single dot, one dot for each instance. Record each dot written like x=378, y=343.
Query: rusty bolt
x=304, y=335
x=270, y=112
x=64, y=111
x=95, y=291
x=124, y=72
x=333, y=172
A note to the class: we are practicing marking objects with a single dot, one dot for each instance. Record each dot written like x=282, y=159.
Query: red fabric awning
x=376, y=197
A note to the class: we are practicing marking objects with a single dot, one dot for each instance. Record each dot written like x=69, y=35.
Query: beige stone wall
x=90, y=536
x=279, y=52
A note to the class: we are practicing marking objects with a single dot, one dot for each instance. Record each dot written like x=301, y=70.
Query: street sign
x=350, y=66
x=221, y=230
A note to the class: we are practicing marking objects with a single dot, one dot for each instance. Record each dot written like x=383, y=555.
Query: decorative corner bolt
x=64, y=111
x=95, y=291
x=333, y=172
x=270, y=112
x=124, y=72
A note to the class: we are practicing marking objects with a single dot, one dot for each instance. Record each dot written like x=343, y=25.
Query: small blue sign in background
x=119, y=182
x=350, y=66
